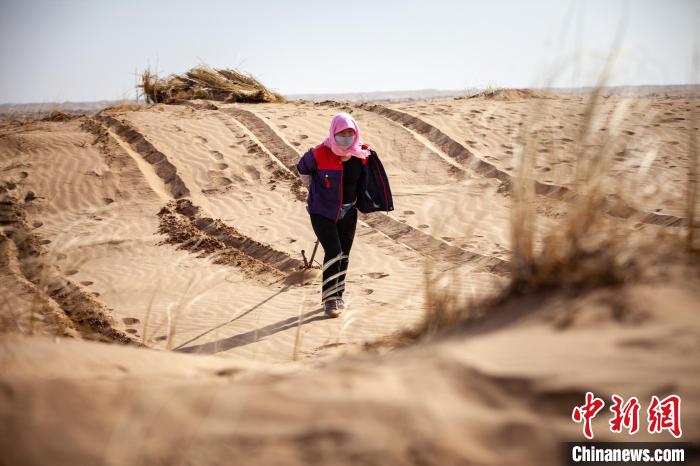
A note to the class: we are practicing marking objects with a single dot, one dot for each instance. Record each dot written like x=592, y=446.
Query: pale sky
x=54, y=50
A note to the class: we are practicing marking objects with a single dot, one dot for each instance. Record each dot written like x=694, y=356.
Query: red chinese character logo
x=587, y=412
x=626, y=415
x=665, y=415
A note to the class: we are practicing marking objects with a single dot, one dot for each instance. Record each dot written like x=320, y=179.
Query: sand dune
x=648, y=142
x=180, y=228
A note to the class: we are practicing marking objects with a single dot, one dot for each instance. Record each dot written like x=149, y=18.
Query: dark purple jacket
x=322, y=173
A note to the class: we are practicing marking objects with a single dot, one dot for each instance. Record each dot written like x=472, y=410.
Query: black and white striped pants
x=336, y=239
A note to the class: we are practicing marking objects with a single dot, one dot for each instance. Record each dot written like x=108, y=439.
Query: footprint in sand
x=161, y=338
x=448, y=238
x=216, y=154
x=221, y=181
x=45, y=241
x=375, y=275
x=408, y=212
x=23, y=174
x=37, y=224
x=628, y=132
x=282, y=126
x=367, y=291
x=330, y=345
x=296, y=143
x=252, y=171
x=131, y=330
x=423, y=225
x=222, y=166
x=86, y=283
x=201, y=139
x=108, y=200
x=265, y=211
x=227, y=372
x=253, y=148
x=131, y=320
x=70, y=272
x=303, y=136
x=239, y=179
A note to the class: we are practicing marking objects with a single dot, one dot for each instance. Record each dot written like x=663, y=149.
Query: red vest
x=327, y=160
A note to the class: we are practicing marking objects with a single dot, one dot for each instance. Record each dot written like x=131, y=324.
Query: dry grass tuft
x=57, y=115
x=586, y=249
x=207, y=83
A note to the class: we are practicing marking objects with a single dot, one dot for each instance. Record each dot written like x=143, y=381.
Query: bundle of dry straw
x=206, y=83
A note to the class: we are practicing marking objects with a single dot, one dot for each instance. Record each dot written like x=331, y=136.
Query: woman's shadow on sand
x=254, y=335
x=293, y=279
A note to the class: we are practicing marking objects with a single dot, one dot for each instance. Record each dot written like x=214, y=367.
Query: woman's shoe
x=340, y=304
x=330, y=308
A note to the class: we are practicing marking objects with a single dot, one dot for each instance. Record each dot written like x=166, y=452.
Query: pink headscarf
x=340, y=122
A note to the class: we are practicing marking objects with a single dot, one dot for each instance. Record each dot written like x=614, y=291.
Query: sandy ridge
x=418, y=241
x=226, y=240
x=430, y=246
x=614, y=206
x=26, y=308
x=451, y=147
x=160, y=162
x=26, y=260
x=215, y=231
x=285, y=171
x=267, y=136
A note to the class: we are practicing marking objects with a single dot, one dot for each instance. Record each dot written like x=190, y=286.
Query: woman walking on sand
x=343, y=175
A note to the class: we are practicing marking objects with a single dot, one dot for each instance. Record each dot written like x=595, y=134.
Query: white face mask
x=344, y=141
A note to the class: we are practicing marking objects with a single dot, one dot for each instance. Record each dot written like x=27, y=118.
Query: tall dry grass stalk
x=298, y=335
x=596, y=243
x=694, y=165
